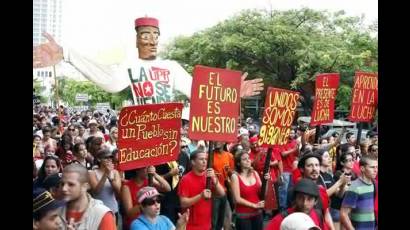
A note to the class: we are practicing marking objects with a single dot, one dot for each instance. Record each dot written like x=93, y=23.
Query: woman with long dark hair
x=246, y=186
x=51, y=165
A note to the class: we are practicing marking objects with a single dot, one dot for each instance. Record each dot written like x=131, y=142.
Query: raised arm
x=159, y=182
x=127, y=202
x=251, y=87
x=111, y=79
x=47, y=54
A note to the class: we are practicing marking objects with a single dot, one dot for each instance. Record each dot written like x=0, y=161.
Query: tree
x=38, y=89
x=69, y=88
x=286, y=48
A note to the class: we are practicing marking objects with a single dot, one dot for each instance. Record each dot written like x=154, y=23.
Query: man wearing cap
x=309, y=166
x=149, y=198
x=306, y=195
x=152, y=81
x=93, y=130
x=46, y=210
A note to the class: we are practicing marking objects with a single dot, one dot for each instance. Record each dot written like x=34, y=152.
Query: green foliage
x=39, y=89
x=68, y=89
x=286, y=48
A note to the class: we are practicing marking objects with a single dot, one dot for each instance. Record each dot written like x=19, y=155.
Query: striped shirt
x=360, y=198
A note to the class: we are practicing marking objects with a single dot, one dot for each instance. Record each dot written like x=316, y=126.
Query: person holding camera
x=344, y=167
x=336, y=186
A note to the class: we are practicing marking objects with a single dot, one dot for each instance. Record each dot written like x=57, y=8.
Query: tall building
x=47, y=16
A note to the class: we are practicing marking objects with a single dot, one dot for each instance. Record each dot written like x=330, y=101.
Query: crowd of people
x=75, y=171
x=324, y=184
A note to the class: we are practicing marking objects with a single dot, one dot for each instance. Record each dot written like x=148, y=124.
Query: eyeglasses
x=151, y=201
x=71, y=129
x=184, y=146
x=147, y=36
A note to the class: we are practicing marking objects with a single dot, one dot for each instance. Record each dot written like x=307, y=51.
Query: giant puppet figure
x=152, y=80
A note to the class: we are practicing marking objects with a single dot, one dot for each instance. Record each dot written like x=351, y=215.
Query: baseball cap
x=243, y=131
x=43, y=201
x=253, y=139
x=298, y=221
x=146, y=193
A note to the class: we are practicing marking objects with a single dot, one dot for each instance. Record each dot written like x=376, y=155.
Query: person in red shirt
x=289, y=154
x=194, y=194
x=223, y=166
x=82, y=211
x=305, y=194
x=258, y=163
x=246, y=187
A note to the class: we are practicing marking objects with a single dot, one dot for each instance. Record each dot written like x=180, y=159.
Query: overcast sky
x=95, y=26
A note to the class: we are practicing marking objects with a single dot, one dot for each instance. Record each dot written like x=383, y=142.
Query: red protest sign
x=149, y=134
x=364, y=97
x=325, y=95
x=280, y=109
x=215, y=101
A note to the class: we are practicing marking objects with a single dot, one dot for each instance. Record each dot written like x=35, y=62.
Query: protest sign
x=364, y=97
x=215, y=104
x=280, y=109
x=325, y=96
x=149, y=135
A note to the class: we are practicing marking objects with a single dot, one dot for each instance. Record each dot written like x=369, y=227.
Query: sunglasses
x=185, y=146
x=108, y=157
x=151, y=201
x=71, y=129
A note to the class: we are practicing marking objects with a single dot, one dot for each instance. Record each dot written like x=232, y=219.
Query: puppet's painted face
x=147, y=42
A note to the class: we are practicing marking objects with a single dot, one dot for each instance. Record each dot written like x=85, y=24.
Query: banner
x=102, y=107
x=325, y=96
x=364, y=97
x=149, y=135
x=82, y=97
x=215, y=104
x=277, y=119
